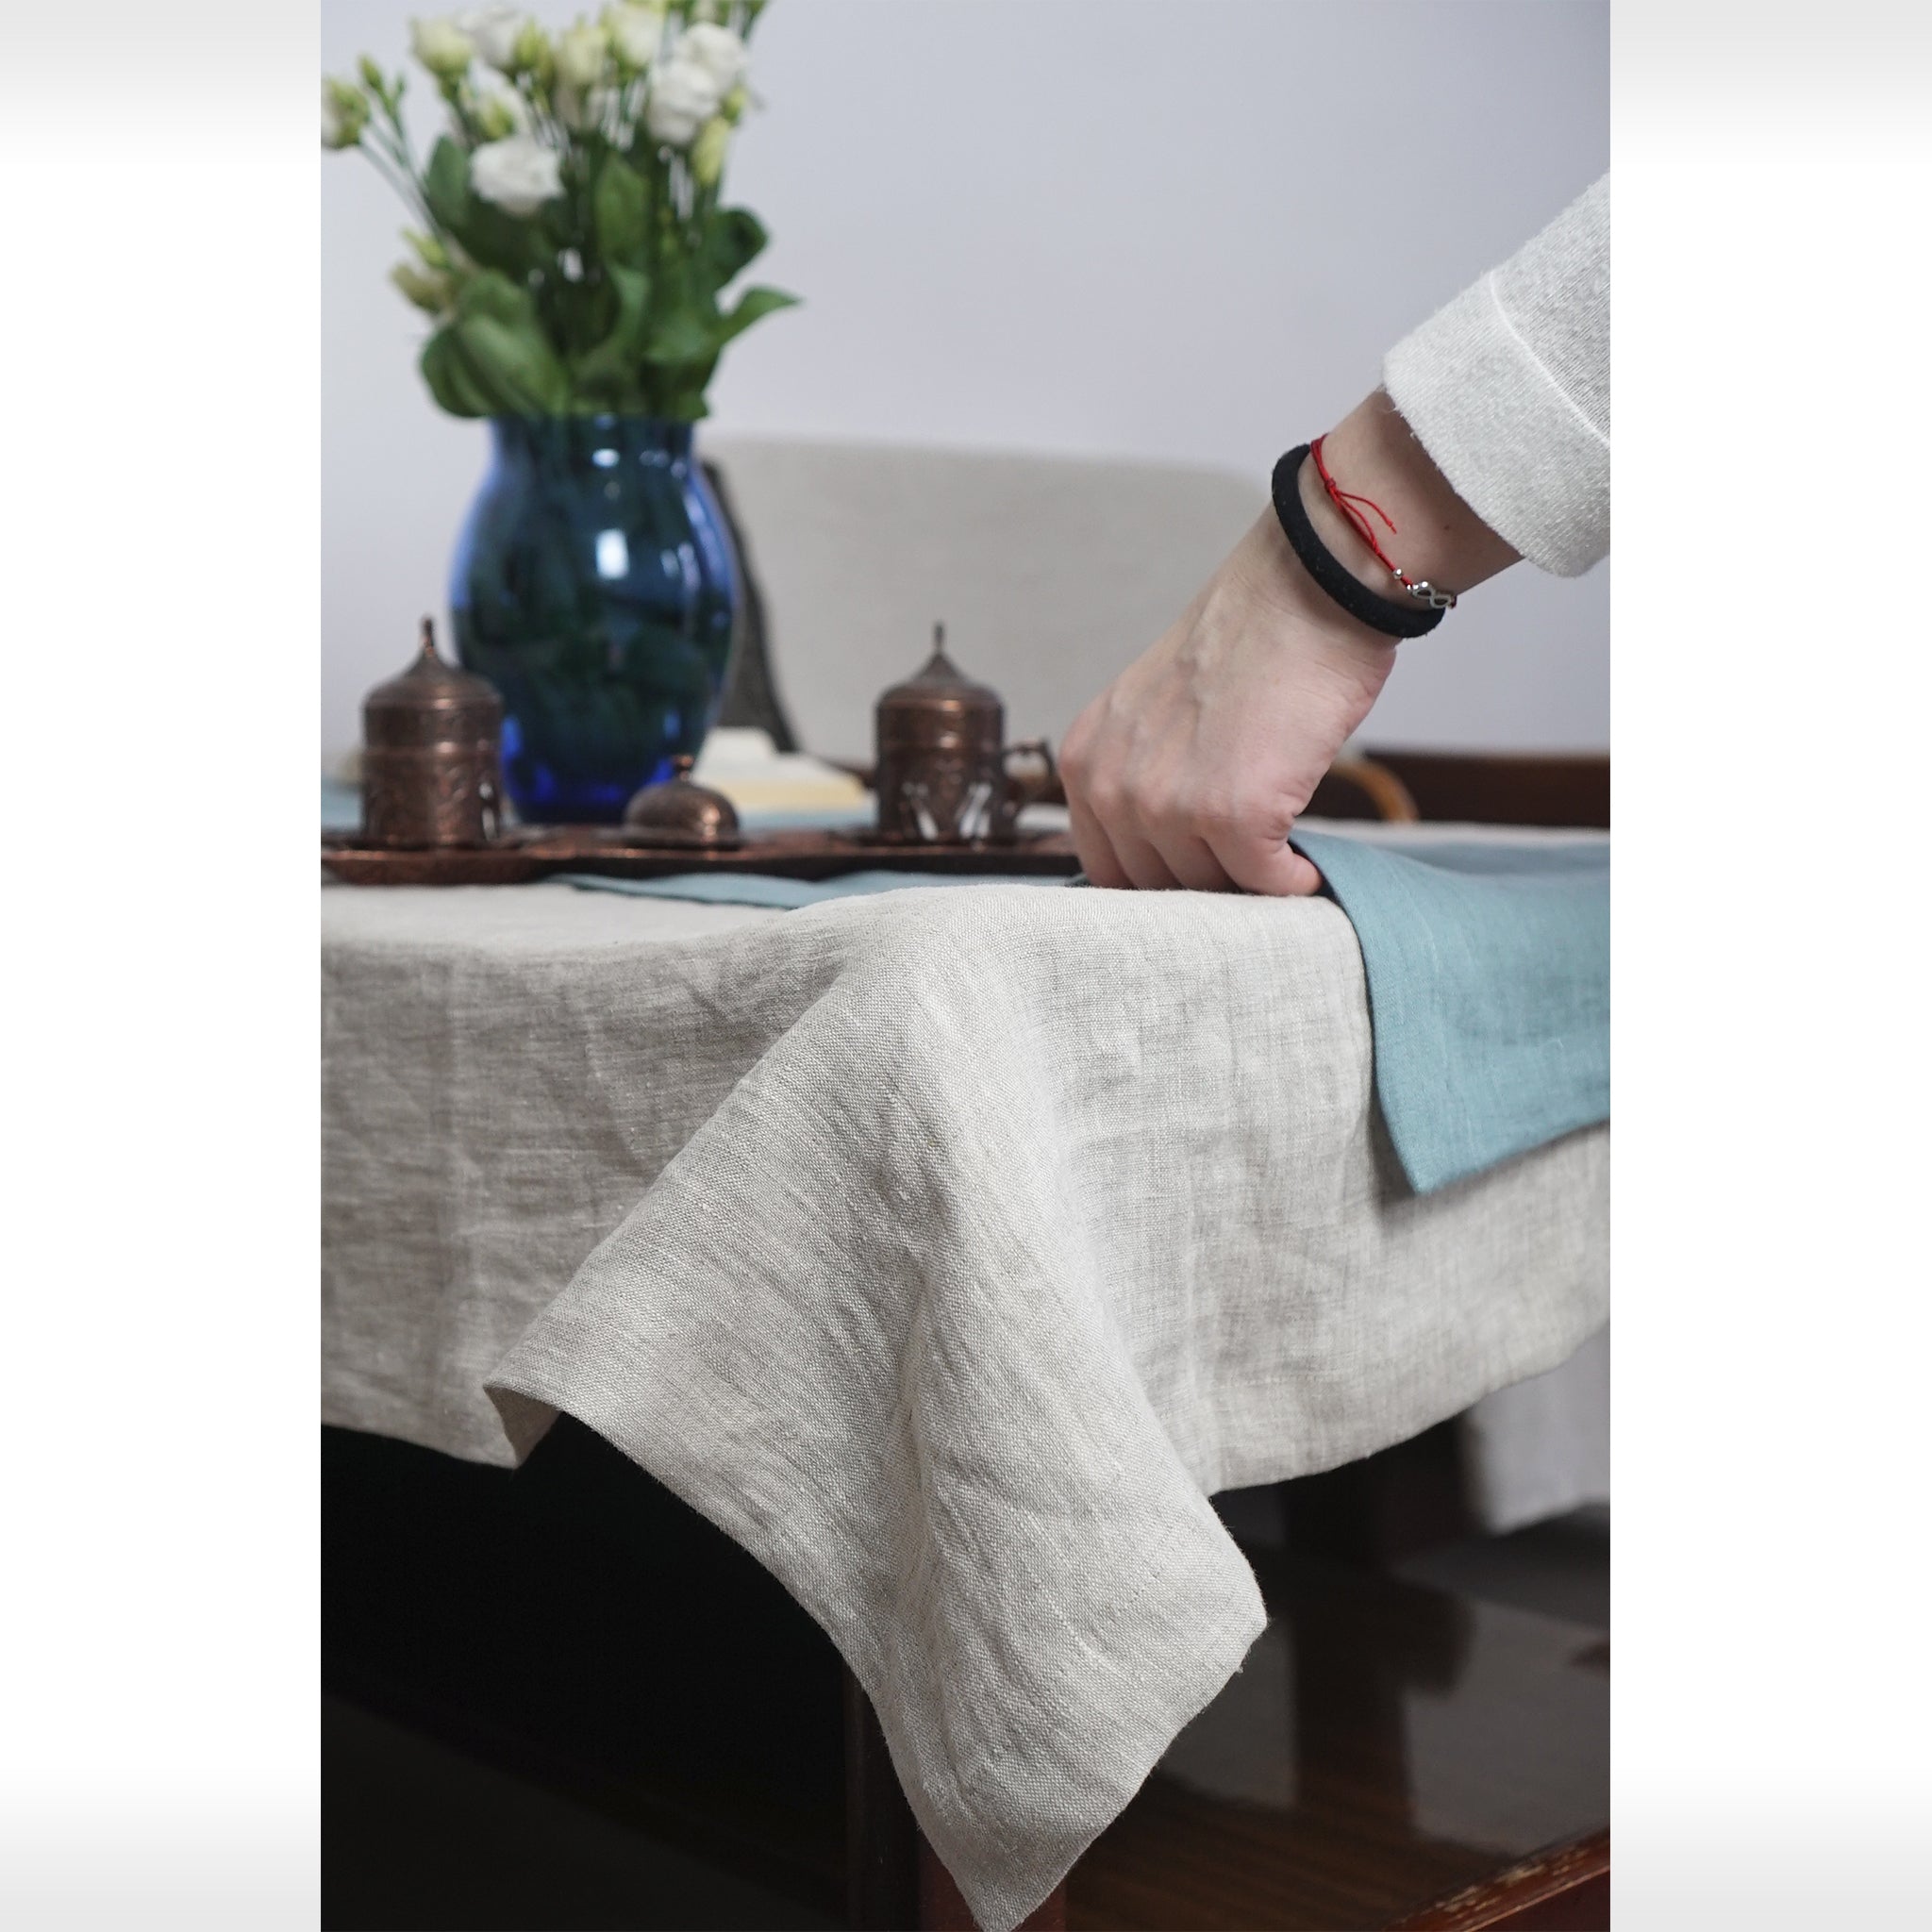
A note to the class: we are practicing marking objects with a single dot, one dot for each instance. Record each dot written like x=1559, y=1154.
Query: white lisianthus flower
x=717, y=50
x=634, y=33
x=519, y=175
x=683, y=97
x=442, y=47
x=492, y=32
x=580, y=53
x=707, y=151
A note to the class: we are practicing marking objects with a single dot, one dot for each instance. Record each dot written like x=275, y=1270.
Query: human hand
x=1192, y=767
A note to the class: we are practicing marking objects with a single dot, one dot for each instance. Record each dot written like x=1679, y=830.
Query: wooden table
x=1342, y=1842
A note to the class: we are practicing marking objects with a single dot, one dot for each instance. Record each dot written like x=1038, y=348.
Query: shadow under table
x=691, y=1754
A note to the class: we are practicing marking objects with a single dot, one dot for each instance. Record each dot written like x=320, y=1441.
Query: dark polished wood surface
x=1565, y=1889
x=1386, y=1745
x=883, y=1843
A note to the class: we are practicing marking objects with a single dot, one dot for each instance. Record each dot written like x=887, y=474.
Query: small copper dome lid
x=939, y=703
x=680, y=811
x=431, y=703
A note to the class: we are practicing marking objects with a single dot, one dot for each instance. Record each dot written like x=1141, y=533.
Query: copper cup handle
x=1023, y=790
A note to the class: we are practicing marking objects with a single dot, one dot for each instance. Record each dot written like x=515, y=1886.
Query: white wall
x=1105, y=226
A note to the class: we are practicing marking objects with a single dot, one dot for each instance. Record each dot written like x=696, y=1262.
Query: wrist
x=1266, y=565
x=1373, y=452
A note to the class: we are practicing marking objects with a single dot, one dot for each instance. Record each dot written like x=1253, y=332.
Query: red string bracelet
x=1420, y=589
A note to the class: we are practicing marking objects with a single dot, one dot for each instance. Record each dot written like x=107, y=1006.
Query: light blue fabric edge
x=1487, y=974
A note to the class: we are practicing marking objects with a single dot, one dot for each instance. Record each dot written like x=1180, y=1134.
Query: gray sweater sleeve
x=1508, y=390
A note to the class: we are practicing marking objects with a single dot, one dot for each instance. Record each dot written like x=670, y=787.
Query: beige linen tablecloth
x=947, y=1248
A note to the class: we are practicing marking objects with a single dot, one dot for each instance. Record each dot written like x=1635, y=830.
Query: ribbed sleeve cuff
x=1513, y=446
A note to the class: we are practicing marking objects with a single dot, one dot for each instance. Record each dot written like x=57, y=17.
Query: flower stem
x=404, y=184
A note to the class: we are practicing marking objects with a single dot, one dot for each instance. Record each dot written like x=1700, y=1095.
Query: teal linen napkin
x=341, y=806
x=1489, y=973
x=766, y=888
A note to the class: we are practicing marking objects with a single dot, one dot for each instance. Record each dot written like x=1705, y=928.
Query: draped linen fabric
x=947, y=1248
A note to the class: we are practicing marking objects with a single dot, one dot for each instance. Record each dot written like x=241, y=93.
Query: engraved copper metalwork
x=432, y=749
x=681, y=812
x=944, y=775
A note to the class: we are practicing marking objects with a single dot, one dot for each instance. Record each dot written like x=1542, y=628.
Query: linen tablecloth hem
x=1275, y=1463
x=530, y=1404
x=1018, y=1893
x=459, y=1437
x=526, y=1419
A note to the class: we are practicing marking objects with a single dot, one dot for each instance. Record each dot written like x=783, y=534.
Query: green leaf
x=446, y=186
x=681, y=326
x=504, y=240
x=753, y=306
x=734, y=238
x=496, y=296
x=499, y=334
x=451, y=379
x=517, y=365
x=611, y=369
x=679, y=336
x=619, y=212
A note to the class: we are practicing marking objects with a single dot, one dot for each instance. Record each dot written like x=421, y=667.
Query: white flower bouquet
x=575, y=250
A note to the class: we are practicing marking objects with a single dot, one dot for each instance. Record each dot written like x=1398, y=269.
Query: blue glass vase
x=594, y=587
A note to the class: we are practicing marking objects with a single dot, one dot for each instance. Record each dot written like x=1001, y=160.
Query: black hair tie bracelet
x=1342, y=584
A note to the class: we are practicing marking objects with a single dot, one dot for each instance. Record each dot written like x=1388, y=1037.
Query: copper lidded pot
x=432, y=757
x=941, y=775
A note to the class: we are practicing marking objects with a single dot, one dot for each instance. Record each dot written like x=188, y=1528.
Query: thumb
x=1268, y=866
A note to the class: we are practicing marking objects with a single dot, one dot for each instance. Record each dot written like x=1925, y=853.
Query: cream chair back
x=1049, y=572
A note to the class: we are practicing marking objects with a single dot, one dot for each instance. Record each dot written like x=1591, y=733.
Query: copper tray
x=534, y=852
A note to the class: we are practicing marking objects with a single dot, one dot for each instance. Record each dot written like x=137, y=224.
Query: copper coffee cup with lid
x=432, y=757
x=944, y=774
